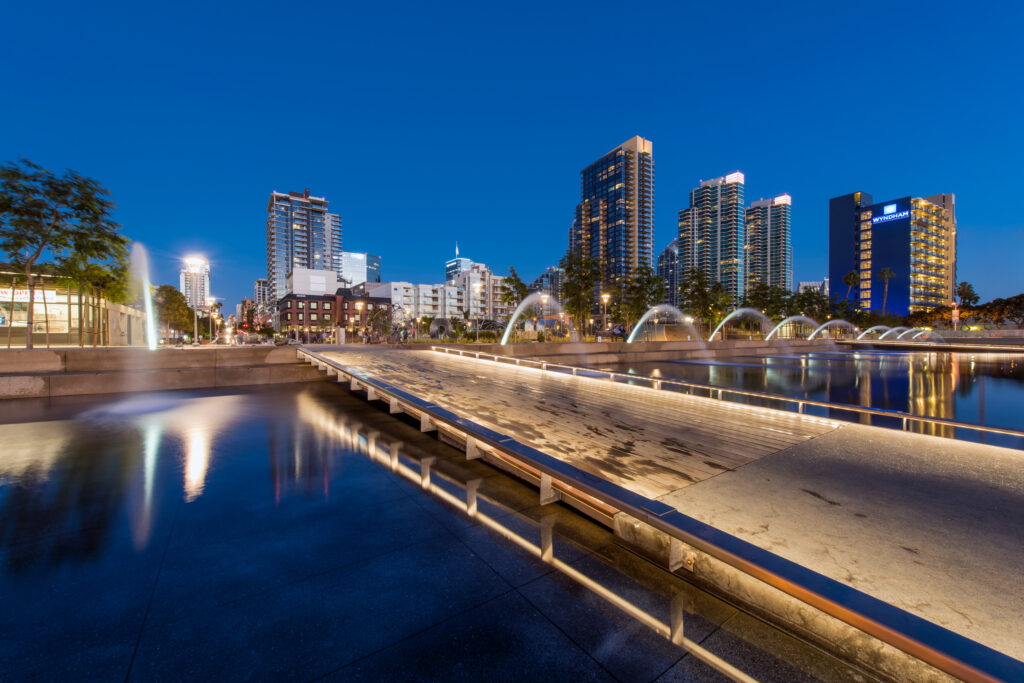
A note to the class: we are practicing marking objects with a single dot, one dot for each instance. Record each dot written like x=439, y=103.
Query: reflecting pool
x=977, y=388
x=263, y=534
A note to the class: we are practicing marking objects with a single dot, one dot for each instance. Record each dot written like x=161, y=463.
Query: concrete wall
x=70, y=372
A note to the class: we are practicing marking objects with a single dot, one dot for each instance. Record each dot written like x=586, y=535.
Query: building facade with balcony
x=614, y=221
x=712, y=238
x=769, y=248
x=915, y=238
x=301, y=233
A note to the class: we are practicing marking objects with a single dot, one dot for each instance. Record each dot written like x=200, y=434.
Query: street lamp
x=359, y=315
x=477, y=286
x=195, y=264
x=604, y=310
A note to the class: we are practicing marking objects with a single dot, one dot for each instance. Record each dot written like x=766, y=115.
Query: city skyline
x=521, y=130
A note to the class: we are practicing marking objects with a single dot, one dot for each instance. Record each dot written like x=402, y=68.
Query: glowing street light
x=477, y=286
x=604, y=310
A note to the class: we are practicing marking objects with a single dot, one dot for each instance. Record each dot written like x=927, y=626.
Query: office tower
x=301, y=233
x=769, y=247
x=194, y=282
x=454, y=266
x=914, y=237
x=614, y=222
x=668, y=267
x=711, y=234
x=359, y=267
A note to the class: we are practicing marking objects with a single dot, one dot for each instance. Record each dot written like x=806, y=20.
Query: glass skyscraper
x=614, y=222
x=301, y=233
x=914, y=237
x=711, y=234
x=668, y=268
x=769, y=246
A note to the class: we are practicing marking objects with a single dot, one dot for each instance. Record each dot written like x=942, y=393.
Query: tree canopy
x=65, y=217
x=580, y=277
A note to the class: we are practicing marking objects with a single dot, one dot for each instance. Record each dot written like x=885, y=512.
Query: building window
x=312, y=316
x=300, y=316
x=300, y=305
x=344, y=317
x=288, y=316
x=312, y=305
x=327, y=305
x=369, y=307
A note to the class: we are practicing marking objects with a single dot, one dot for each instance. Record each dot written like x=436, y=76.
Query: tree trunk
x=69, y=313
x=31, y=306
x=46, y=317
x=10, y=316
x=81, y=315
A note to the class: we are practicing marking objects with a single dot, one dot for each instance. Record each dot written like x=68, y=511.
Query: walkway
x=927, y=524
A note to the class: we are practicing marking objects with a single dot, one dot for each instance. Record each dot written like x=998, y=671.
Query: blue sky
x=429, y=123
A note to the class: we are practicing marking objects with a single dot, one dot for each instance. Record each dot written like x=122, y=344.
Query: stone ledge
x=777, y=607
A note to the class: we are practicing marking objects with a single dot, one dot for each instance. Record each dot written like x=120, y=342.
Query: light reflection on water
x=968, y=387
x=67, y=486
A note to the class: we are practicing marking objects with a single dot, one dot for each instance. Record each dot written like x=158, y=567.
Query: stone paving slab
x=930, y=525
x=651, y=442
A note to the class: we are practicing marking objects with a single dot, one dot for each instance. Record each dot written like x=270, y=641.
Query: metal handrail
x=658, y=383
x=928, y=642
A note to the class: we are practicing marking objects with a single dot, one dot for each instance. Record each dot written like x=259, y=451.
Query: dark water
x=251, y=536
x=986, y=389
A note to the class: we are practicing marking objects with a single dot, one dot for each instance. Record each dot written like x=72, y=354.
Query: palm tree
x=850, y=279
x=884, y=275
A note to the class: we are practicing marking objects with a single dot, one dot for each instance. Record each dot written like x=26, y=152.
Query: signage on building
x=889, y=213
x=21, y=295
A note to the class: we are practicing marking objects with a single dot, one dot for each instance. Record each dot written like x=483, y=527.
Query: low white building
x=482, y=290
x=410, y=301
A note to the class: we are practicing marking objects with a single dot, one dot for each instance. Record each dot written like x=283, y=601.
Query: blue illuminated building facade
x=614, y=221
x=914, y=237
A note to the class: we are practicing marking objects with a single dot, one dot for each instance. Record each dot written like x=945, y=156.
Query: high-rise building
x=482, y=290
x=614, y=222
x=194, y=282
x=549, y=282
x=301, y=233
x=914, y=237
x=668, y=269
x=769, y=247
x=259, y=292
x=711, y=233
x=358, y=267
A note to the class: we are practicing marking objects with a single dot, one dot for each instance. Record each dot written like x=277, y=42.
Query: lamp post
x=477, y=286
x=604, y=311
x=359, y=316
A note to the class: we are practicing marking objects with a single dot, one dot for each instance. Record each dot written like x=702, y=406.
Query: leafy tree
x=776, y=302
x=884, y=275
x=425, y=323
x=42, y=214
x=580, y=277
x=513, y=289
x=965, y=292
x=171, y=308
x=379, y=322
x=1010, y=309
x=850, y=279
x=695, y=296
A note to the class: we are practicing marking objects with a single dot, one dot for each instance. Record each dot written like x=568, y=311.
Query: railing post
x=680, y=555
x=371, y=395
x=904, y=424
x=353, y=384
x=395, y=408
x=657, y=384
x=548, y=494
x=425, y=424
x=800, y=407
x=472, y=452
